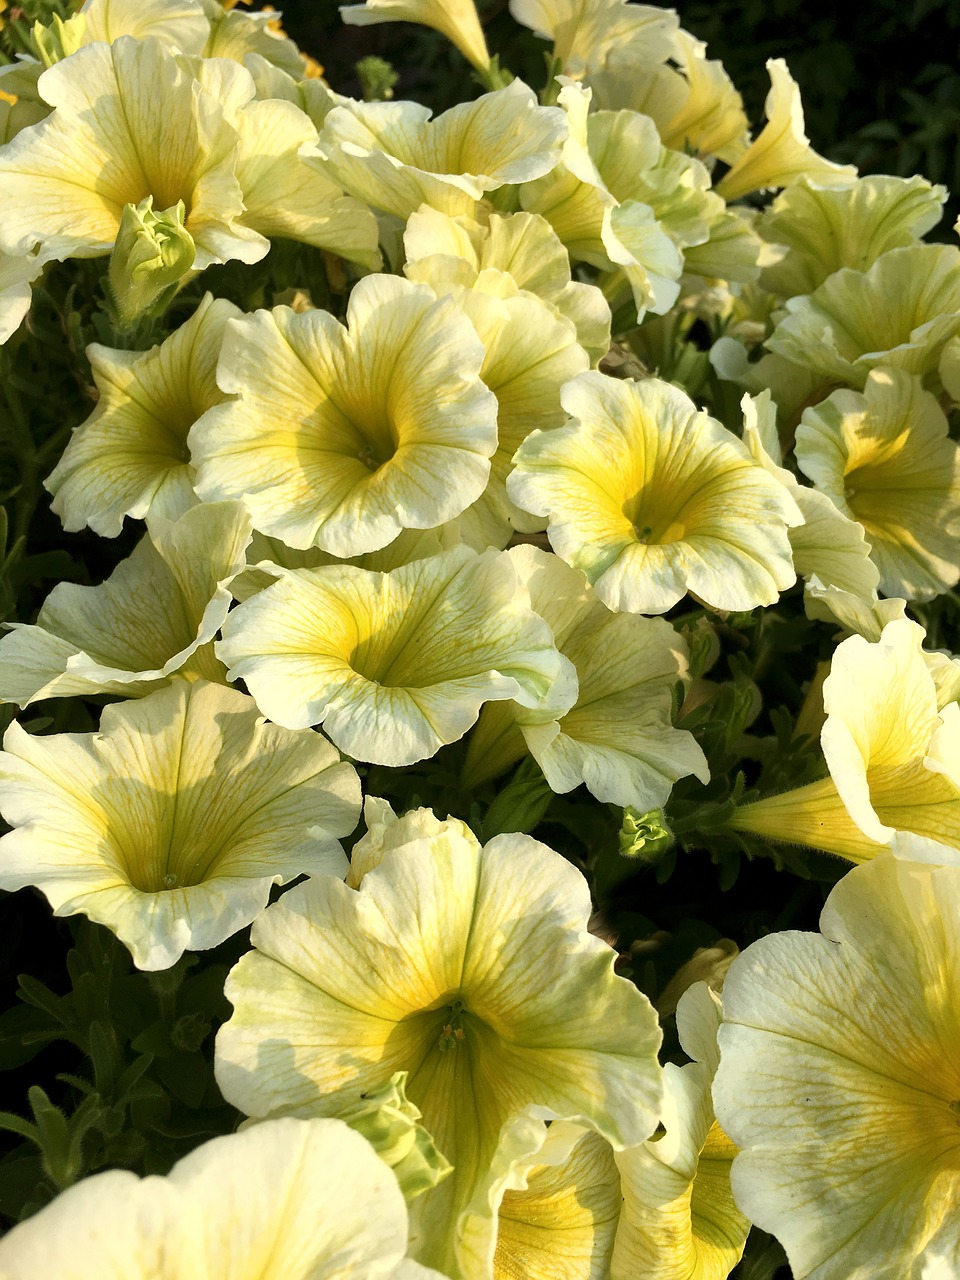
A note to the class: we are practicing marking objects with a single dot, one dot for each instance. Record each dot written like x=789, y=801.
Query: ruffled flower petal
x=393, y=665
x=172, y=823
x=650, y=498
x=341, y=437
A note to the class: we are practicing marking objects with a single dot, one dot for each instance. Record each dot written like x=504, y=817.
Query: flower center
x=452, y=1033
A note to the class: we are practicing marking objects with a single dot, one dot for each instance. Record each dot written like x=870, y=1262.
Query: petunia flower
x=395, y=158
x=530, y=352
x=343, y=436
x=695, y=107
x=562, y=1203
x=285, y=1200
x=618, y=737
x=885, y=459
x=393, y=665
x=596, y=227
x=171, y=824
x=522, y=245
x=456, y=19
x=156, y=615
x=178, y=24
x=651, y=498
x=824, y=229
x=430, y=966
x=839, y=1079
x=129, y=122
x=130, y=457
x=830, y=545
x=900, y=314
x=891, y=748
x=585, y=31
x=781, y=152
x=679, y=1219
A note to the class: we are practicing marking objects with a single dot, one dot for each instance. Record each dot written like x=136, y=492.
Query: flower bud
x=153, y=252
x=388, y=1120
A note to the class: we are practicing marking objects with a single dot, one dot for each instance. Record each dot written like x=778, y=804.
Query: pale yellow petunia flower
x=286, y=1200
x=839, y=1079
x=154, y=617
x=584, y=31
x=885, y=459
x=171, y=825
x=892, y=749
x=130, y=457
x=430, y=966
x=341, y=436
x=781, y=152
x=651, y=498
x=393, y=665
x=456, y=19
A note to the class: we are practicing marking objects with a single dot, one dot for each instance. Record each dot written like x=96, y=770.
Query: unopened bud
x=388, y=1120
x=644, y=836
x=59, y=40
x=153, y=252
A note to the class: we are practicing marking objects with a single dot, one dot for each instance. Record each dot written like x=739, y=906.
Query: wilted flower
x=172, y=823
x=839, y=1078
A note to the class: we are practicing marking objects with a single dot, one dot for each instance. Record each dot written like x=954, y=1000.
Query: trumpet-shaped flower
x=172, y=823
x=885, y=459
x=892, y=756
x=502, y=998
x=343, y=436
x=618, y=736
x=393, y=665
x=695, y=108
x=283, y=194
x=530, y=353
x=395, y=158
x=824, y=229
x=585, y=31
x=561, y=1203
x=829, y=546
x=551, y=1206
x=285, y=1200
x=839, y=1079
x=781, y=153
x=155, y=615
x=238, y=36
x=593, y=224
x=522, y=245
x=458, y=21
x=129, y=122
x=899, y=313
x=679, y=1218
x=651, y=498
x=130, y=457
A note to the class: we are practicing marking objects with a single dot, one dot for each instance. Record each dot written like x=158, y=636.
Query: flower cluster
x=445, y=458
